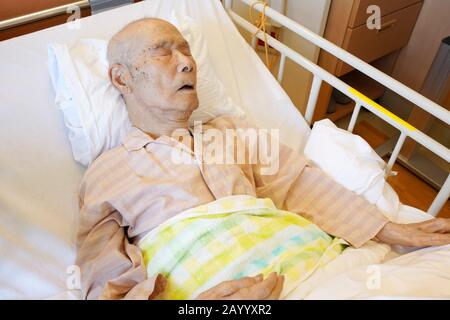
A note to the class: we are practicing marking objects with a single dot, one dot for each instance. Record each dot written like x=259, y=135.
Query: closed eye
x=160, y=51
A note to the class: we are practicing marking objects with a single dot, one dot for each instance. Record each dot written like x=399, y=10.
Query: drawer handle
x=387, y=25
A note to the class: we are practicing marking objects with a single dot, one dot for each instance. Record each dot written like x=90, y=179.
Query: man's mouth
x=186, y=87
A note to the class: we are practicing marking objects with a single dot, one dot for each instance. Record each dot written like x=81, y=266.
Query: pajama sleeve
x=111, y=266
x=299, y=187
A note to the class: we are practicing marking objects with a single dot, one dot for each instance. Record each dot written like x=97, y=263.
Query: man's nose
x=185, y=63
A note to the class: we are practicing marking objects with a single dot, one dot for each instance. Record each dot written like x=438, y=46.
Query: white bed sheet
x=421, y=274
x=379, y=271
x=38, y=177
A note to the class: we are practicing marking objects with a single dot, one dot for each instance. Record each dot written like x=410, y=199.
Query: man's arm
x=311, y=193
x=301, y=188
x=111, y=267
x=335, y=209
x=294, y=185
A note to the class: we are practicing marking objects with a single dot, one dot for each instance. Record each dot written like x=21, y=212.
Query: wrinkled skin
x=247, y=288
x=151, y=65
x=434, y=232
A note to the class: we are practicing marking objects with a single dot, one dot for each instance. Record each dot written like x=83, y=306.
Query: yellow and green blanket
x=231, y=238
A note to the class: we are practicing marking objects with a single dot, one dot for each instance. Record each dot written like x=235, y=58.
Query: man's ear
x=120, y=77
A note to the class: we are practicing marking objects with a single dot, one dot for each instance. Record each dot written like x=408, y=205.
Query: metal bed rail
x=43, y=14
x=320, y=74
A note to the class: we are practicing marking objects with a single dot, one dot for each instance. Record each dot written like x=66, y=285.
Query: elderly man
x=135, y=187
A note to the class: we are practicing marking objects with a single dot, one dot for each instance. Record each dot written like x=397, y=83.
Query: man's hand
x=248, y=288
x=434, y=232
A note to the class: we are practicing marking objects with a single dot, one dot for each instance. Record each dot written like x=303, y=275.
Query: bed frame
x=319, y=75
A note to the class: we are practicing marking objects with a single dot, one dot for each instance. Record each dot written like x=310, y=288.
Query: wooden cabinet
x=14, y=9
x=347, y=28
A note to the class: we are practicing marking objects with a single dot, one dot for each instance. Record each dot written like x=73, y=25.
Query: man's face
x=164, y=74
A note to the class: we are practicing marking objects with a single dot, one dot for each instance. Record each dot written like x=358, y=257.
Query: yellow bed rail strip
x=382, y=109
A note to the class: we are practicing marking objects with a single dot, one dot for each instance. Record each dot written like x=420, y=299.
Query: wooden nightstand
x=346, y=27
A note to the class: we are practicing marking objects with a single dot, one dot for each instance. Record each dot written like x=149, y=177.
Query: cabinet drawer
x=369, y=45
x=359, y=13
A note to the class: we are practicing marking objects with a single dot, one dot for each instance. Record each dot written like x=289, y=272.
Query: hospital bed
x=39, y=178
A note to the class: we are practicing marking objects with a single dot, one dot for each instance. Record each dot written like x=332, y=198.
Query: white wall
x=311, y=14
x=416, y=58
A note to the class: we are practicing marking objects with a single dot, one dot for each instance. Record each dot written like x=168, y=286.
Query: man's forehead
x=162, y=40
x=142, y=35
x=158, y=32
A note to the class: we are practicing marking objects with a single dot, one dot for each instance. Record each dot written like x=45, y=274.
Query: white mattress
x=38, y=177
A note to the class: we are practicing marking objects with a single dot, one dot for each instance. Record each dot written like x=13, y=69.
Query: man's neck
x=156, y=122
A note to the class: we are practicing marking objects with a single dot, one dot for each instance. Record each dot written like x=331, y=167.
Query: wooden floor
x=411, y=190
x=414, y=192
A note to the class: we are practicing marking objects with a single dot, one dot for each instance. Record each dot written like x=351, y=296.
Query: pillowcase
x=351, y=162
x=95, y=113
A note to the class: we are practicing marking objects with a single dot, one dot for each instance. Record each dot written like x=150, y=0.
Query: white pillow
x=94, y=111
x=350, y=161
